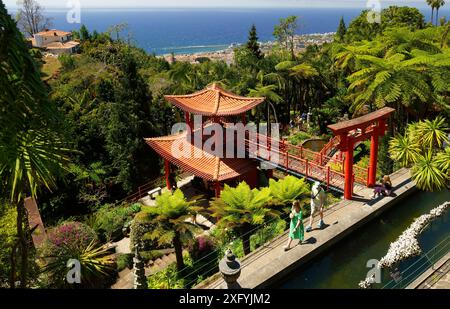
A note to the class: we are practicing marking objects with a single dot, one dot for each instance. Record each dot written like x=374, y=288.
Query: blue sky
x=216, y=3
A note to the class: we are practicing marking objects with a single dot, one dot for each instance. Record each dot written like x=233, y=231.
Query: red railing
x=142, y=191
x=315, y=165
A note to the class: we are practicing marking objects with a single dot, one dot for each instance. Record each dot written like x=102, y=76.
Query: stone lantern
x=230, y=268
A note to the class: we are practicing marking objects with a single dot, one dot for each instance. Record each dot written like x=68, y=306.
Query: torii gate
x=372, y=125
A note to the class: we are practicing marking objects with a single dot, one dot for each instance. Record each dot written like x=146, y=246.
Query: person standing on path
x=318, y=200
x=296, y=230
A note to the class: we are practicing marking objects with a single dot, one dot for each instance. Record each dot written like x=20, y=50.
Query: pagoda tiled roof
x=200, y=162
x=214, y=101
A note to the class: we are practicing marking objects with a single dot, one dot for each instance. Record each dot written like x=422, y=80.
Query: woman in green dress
x=296, y=230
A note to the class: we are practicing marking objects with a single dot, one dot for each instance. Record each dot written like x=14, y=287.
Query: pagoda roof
x=202, y=164
x=214, y=101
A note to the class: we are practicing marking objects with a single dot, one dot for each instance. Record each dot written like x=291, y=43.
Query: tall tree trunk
x=178, y=251
x=437, y=16
x=432, y=15
x=21, y=234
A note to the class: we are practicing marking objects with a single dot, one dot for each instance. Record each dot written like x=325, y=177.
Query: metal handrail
x=437, y=251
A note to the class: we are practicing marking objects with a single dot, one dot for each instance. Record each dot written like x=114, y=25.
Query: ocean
x=188, y=31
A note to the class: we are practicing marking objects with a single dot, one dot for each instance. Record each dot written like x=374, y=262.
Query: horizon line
x=362, y=5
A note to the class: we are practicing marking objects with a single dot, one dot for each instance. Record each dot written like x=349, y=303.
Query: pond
x=344, y=264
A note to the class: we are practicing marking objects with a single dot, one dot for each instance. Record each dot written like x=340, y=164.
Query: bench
x=152, y=192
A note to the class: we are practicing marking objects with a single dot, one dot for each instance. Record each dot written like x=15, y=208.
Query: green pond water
x=344, y=264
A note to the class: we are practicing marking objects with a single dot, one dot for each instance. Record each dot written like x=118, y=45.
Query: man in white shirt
x=318, y=200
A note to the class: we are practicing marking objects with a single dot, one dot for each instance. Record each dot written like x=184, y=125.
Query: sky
x=215, y=3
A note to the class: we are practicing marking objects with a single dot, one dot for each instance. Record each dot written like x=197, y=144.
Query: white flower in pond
x=407, y=245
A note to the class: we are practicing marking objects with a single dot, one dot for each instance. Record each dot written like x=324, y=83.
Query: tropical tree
x=242, y=209
x=424, y=148
x=438, y=4
x=285, y=33
x=288, y=189
x=171, y=222
x=431, y=3
x=32, y=152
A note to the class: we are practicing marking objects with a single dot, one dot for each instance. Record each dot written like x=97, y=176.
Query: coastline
x=227, y=55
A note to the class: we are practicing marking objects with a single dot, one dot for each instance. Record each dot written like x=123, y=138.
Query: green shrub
x=109, y=221
x=8, y=228
x=299, y=138
x=124, y=261
x=169, y=278
x=151, y=255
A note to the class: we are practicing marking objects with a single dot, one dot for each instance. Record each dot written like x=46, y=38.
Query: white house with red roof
x=55, y=41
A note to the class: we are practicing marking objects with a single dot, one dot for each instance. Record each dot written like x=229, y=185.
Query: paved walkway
x=270, y=263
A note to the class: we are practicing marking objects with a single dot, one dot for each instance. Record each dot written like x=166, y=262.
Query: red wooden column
x=244, y=119
x=217, y=188
x=348, y=169
x=374, y=154
x=187, y=119
x=167, y=171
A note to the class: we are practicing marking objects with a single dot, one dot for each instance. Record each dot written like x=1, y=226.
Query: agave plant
x=433, y=133
x=96, y=263
x=404, y=149
x=242, y=209
x=428, y=175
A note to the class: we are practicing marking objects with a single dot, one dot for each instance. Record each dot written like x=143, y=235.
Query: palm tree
x=242, y=209
x=288, y=189
x=32, y=152
x=438, y=4
x=171, y=219
x=431, y=4
x=269, y=93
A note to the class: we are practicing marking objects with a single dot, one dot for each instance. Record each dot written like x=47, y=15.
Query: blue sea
x=188, y=31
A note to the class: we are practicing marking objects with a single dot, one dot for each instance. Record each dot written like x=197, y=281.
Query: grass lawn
x=50, y=66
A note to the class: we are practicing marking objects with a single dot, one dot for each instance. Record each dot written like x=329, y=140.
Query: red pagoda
x=218, y=107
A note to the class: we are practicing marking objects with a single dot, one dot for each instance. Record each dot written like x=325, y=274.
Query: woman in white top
x=318, y=200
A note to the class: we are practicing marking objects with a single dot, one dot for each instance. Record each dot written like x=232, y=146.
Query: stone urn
x=230, y=268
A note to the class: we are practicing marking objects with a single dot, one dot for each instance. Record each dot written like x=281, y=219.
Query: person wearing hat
x=318, y=199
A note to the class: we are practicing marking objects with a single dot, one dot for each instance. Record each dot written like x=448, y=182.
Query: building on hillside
x=55, y=42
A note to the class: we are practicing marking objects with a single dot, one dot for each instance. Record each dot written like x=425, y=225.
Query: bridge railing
x=295, y=163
